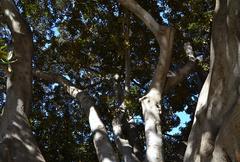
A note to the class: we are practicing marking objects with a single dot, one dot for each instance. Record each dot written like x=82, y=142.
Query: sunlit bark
x=215, y=133
x=103, y=147
x=151, y=101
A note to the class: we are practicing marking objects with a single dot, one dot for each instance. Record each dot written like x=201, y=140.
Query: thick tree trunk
x=216, y=129
x=16, y=140
x=103, y=147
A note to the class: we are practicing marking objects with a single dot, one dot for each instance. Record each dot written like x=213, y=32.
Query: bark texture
x=151, y=101
x=103, y=147
x=215, y=132
x=16, y=140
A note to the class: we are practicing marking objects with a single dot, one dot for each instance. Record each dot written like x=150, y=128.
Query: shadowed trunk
x=216, y=129
x=16, y=140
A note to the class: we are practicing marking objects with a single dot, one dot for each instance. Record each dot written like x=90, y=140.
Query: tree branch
x=100, y=138
x=164, y=36
x=151, y=101
x=177, y=77
x=149, y=21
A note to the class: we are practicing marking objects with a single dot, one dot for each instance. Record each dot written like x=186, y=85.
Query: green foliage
x=3, y=52
x=85, y=41
x=6, y=56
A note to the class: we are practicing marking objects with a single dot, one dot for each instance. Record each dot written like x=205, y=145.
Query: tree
x=85, y=70
x=217, y=109
x=151, y=101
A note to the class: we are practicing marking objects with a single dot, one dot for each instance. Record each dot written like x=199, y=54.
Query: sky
x=184, y=118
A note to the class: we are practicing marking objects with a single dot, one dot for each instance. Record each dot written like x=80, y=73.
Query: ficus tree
x=92, y=69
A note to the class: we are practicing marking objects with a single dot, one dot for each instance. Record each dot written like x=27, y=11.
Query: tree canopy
x=87, y=43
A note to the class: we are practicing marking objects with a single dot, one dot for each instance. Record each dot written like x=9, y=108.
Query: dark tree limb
x=176, y=77
x=123, y=143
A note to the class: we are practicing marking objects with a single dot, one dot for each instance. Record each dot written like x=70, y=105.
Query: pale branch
x=59, y=79
x=131, y=131
x=72, y=90
x=122, y=144
x=160, y=76
x=151, y=101
x=189, y=51
x=101, y=141
x=141, y=13
x=164, y=36
x=175, y=77
x=16, y=140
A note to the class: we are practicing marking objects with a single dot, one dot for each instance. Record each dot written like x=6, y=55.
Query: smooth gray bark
x=103, y=147
x=16, y=141
x=151, y=101
x=216, y=129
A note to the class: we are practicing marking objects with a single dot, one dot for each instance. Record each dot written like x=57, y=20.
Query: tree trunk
x=216, y=129
x=103, y=147
x=101, y=141
x=16, y=141
x=151, y=101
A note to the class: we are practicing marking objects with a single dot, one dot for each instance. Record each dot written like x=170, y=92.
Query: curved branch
x=151, y=101
x=141, y=13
